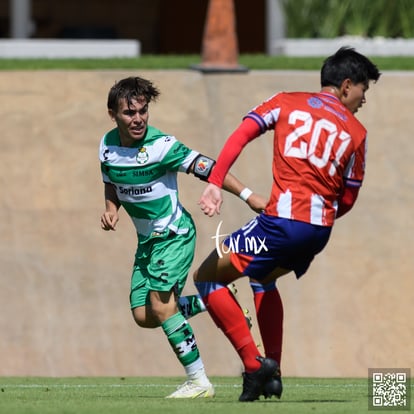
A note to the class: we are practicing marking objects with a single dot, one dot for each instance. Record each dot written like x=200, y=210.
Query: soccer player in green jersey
x=139, y=166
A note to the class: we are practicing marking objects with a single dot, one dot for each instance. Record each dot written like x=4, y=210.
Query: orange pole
x=220, y=45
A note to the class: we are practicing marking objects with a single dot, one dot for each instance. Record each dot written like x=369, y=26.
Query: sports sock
x=182, y=340
x=269, y=311
x=197, y=374
x=190, y=305
x=229, y=317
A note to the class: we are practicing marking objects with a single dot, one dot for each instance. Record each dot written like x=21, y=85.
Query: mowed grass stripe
x=149, y=385
x=146, y=395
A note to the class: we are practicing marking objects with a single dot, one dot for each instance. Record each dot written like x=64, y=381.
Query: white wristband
x=245, y=194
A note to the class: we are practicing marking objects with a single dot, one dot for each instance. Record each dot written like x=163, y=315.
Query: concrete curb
x=378, y=46
x=57, y=48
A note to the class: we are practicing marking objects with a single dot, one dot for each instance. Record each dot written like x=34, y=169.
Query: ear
x=346, y=87
x=111, y=114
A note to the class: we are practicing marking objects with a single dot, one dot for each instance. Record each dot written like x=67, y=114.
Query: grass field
x=155, y=62
x=145, y=395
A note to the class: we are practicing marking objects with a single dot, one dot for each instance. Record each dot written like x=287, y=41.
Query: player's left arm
x=347, y=200
x=211, y=199
x=352, y=179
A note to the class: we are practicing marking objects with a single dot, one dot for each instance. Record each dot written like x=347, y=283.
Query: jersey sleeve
x=179, y=157
x=248, y=130
x=347, y=200
x=353, y=177
x=103, y=150
x=355, y=170
x=260, y=119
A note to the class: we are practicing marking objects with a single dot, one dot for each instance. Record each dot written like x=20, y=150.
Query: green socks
x=181, y=338
x=191, y=305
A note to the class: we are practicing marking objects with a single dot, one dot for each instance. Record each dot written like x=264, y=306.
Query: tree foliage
x=335, y=18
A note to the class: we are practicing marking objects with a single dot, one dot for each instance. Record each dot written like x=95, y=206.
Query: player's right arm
x=110, y=217
x=246, y=132
x=220, y=177
x=211, y=198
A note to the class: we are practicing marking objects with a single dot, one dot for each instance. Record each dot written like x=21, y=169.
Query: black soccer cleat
x=273, y=386
x=254, y=383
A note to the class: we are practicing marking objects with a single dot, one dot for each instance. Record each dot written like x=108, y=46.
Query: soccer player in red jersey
x=318, y=168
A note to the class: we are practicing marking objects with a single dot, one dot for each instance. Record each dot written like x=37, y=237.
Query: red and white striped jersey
x=318, y=146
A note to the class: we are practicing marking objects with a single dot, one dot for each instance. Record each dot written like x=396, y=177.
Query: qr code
x=389, y=389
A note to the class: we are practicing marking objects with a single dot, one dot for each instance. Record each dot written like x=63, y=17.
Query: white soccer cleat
x=192, y=390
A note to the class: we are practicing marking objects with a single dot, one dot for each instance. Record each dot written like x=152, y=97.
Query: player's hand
x=211, y=200
x=109, y=220
x=257, y=202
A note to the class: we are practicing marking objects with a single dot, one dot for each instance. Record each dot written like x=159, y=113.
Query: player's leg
x=269, y=313
x=293, y=244
x=233, y=289
x=171, y=258
x=181, y=338
x=144, y=317
x=139, y=298
x=191, y=305
x=211, y=279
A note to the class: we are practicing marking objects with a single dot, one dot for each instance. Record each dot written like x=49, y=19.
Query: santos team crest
x=142, y=155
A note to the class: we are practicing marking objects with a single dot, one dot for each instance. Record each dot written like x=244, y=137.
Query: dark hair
x=131, y=88
x=346, y=63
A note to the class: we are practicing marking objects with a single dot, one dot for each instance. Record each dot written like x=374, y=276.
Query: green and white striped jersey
x=145, y=178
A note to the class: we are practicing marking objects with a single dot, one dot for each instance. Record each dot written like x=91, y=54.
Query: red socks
x=269, y=310
x=229, y=317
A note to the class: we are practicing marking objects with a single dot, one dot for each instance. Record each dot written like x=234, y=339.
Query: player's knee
x=143, y=319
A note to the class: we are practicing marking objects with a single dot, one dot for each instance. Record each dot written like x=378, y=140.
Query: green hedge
x=334, y=18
